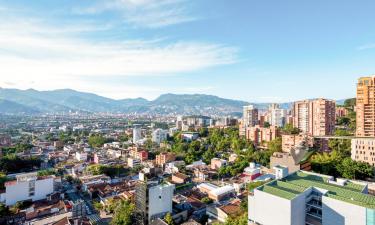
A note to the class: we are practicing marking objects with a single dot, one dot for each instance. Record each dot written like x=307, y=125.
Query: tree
x=351, y=169
x=289, y=129
x=97, y=205
x=206, y=200
x=275, y=145
x=168, y=219
x=266, y=124
x=123, y=214
x=208, y=155
x=96, y=141
x=350, y=103
x=239, y=220
x=4, y=210
x=203, y=132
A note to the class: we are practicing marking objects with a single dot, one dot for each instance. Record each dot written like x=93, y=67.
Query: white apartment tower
x=250, y=116
x=276, y=115
x=137, y=133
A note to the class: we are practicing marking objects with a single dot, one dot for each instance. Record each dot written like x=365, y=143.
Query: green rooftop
x=294, y=184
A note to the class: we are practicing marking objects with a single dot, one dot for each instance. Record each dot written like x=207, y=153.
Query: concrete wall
x=268, y=209
x=337, y=212
x=160, y=199
x=20, y=191
x=298, y=211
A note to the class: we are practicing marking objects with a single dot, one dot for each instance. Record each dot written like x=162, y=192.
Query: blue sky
x=258, y=51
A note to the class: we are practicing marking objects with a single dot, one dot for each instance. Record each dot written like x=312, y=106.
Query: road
x=94, y=217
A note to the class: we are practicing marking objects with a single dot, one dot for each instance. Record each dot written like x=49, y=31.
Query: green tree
x=97, y=205
x=123, y=214
x=96, y=141
x=208, y=155
x=168, y=219
x=289, y=129
x=275, y=145
x=206, y=200
x=4, y=210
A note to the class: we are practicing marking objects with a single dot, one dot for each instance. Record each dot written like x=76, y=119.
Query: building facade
x=309, y=198
x=363, y=150
x=315, y=117
x=250, y=115
x=289, y=142
x=159, y=135
x=258, y=134
x=165, y=157
x=153, y=200
x=365, y=107
x=276, y=116
x=137, y=133
x=28, y=186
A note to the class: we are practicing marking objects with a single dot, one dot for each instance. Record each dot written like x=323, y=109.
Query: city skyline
x=127, y=49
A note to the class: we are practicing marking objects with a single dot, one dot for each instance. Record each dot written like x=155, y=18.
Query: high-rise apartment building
x=153, y=200
x=250, y=115
x=258, y=134
x=366, y=107
x=315, y=117
x=276, y=115
x=137, y=133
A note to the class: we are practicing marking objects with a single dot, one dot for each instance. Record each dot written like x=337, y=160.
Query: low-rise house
x=88, y=181
x=250, y=173
x=223, y=212
x=44, y=208
x=165, y=157
x=217, y=193
x=296, y=159
x=203, y=173
x=179, y=178
x=27, y=186
x=190, y=136
x=218, y=163
x=172, y=167
x=139, y=154
x=133, y=162
x=81, y=156
x=233, y=157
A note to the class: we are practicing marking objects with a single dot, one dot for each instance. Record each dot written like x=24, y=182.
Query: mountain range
x=30, y=101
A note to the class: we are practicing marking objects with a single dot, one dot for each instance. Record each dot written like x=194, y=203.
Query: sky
x=257, y=51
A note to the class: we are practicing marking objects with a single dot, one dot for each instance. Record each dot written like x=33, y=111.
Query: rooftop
x=294, y=184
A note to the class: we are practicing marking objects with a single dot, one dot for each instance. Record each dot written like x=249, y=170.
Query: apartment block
x=289, y=142
x=165, y=157
x=217, y=163
x=159, y=135
x=250, y=115
x=27, y=186
x=315, y=117
x=363, y=150
x=258, y=134
x=310, y=198
x=365, y=107
x=153, y=200
x=276, y=116
x=341, y=112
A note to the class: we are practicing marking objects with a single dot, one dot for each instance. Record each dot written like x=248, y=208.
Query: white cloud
x=144, y=13
x=367, y=46
x=34, y=54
